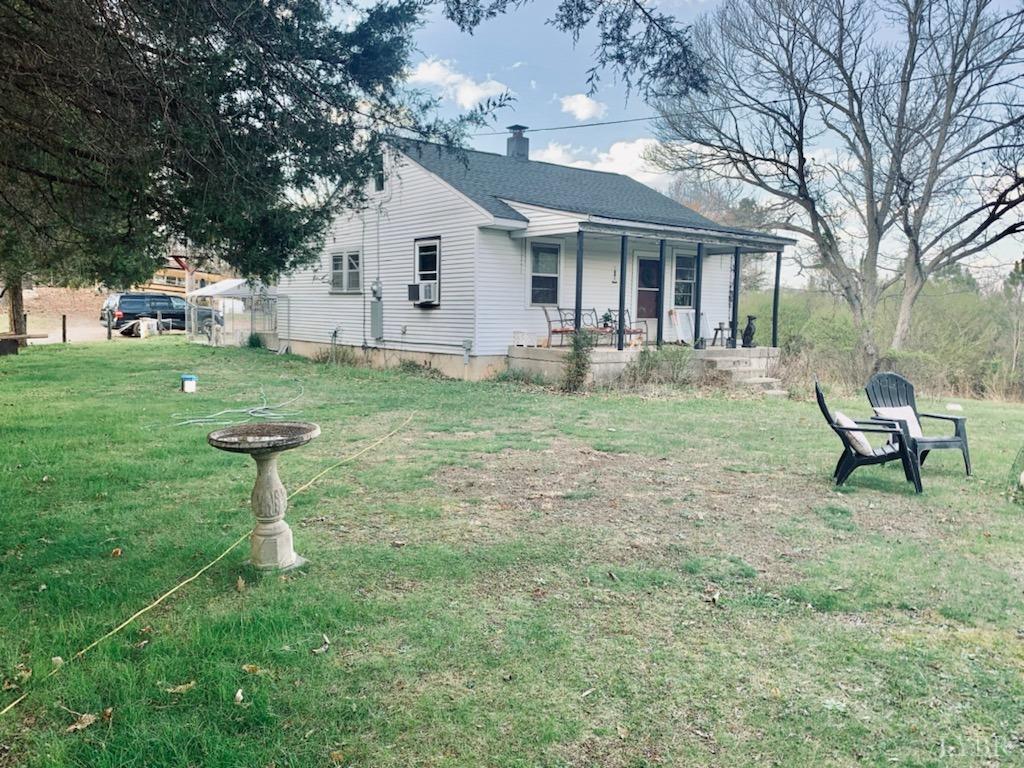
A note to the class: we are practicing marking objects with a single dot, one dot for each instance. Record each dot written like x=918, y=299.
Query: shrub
x=420, y=369
x=672, y=364
x=577, y=362
x=255, y=341
x=337, y=355
x=963, y=341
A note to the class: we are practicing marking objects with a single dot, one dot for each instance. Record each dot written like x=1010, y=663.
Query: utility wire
x=79, y=654
x=694, y=113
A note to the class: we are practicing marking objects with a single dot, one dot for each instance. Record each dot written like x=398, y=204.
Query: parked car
x=123, y=308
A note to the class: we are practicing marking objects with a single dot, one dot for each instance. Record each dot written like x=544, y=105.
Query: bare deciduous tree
x=888, y=133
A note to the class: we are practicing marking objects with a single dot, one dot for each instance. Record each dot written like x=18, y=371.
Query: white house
x=457, y=255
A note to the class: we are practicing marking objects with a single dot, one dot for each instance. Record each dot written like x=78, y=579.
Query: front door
x=648, y=286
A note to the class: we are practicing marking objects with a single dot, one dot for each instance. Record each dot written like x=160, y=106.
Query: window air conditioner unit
x=423, y=292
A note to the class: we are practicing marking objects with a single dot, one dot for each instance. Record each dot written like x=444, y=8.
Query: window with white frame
x=544, y=258
x=346, y=272
x=428, y=260
x=684, y=280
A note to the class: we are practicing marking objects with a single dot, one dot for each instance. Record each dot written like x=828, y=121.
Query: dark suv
x=126, y=307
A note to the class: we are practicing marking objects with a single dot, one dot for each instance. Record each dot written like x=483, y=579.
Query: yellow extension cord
x=210, y=564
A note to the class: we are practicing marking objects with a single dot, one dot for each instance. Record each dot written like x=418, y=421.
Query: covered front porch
x=634, y=284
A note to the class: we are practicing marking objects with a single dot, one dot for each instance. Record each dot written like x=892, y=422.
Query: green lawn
x=517, y=579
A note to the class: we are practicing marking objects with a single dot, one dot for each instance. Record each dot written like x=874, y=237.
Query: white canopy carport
x=233, y=288
x=242, y=309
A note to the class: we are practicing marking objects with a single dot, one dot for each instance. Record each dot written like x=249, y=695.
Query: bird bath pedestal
x=271, y=538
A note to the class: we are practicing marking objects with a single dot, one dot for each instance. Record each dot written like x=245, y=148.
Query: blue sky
x=520, y=53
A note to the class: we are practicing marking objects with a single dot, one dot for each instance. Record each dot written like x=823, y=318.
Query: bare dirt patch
x=631, y=507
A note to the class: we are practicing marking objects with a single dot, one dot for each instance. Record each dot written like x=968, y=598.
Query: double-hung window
x=428, y=259
x=685, y=276
x=544, y=259
x=346, y=272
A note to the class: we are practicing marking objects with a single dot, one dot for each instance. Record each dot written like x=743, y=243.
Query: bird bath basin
x=271, y=542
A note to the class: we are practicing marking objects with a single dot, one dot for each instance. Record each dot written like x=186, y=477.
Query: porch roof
x=715, y=240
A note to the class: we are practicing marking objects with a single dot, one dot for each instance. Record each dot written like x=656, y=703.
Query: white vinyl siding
x=504, y=287
x=544, y=221
x=415, y=204
x=487, y=273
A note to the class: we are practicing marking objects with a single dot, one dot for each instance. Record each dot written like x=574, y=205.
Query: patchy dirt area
x=45, y=306
x=64, y=301
x=634, y=508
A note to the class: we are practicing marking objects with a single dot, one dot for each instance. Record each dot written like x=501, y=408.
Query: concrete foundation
x=606, y=363
x=740, y=367
x=450, y=365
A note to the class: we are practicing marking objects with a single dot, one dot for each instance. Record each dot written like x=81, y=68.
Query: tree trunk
x=913, y=284
x=15, y=306
x=868, y=351
x=863, y=316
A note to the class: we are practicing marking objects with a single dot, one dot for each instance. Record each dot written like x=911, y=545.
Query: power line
x=693, y=113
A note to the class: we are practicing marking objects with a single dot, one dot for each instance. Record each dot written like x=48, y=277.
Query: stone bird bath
x=271, y=538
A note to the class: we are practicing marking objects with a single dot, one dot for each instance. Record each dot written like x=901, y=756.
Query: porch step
x=764, y=383
x=722, y=363
x=753, y=352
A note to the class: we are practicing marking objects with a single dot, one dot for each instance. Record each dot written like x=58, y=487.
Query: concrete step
x=759, y=382
x=777, y=393
x=724, y=363
x=755, y=353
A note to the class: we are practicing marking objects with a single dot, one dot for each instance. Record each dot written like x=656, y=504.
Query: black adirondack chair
x=890, y=390
x=851, y=459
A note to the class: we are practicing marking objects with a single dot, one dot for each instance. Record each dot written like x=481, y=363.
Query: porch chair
x=561, y=325
x=857, y=451
x=565, y=323
x=892, y=398
x=631, y=329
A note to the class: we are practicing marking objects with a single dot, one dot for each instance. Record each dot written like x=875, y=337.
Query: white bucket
x=189, y=382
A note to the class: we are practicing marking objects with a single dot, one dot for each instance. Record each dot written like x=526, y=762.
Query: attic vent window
x=378, y=174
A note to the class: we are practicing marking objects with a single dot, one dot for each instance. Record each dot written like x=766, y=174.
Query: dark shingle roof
x=487, y=179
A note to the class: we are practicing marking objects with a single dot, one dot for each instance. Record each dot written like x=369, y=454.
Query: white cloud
x=626, y=157
x=582, y=107
x=454, y=85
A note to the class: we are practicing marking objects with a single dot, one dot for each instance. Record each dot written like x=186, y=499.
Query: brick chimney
x=518, y=146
